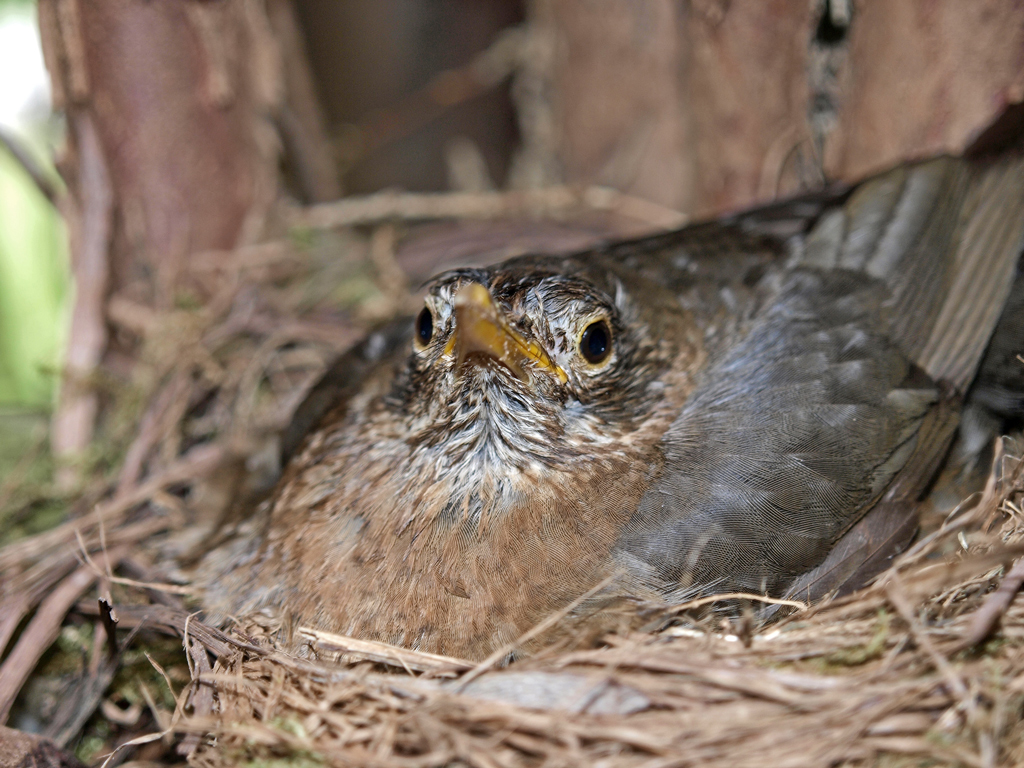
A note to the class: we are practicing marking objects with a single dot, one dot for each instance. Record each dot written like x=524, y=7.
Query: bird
x=753, y=404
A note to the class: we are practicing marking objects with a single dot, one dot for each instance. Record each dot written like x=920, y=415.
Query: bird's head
x=537, y=360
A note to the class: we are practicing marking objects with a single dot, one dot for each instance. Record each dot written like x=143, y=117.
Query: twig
x=552, y=202
x=201, y=694
x=86, y=695
x=41, y=631
x=151, y=429
x=109, y=622
x=966, y=512
x=898, y=598
x=155, y=586
x=304, y=129
x=172, y=621
x=179, y=707
x=995, y=606
x=28, y=163
x=382, y=653
x=737, y=596
x=90, y=219
x=26, y=590
x=195, y=464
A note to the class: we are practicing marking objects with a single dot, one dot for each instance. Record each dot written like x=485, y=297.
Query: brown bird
x=753, y=404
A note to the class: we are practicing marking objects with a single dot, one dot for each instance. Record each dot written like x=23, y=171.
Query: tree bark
x=170, y=151
x=711, y=105
x=924, y=77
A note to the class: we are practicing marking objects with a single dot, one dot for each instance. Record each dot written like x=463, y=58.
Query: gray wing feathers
x=988, y=247
x=819, y=409
x=944, y=236
x=799, y=423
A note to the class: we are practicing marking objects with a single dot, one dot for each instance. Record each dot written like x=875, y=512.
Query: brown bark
x=621, y=121
x=300, y=119
x=178, y=91
x=924, y=77
x=89, y=220
x=170, y=151
x=711, y=105
x=747, y=97
x=695, y=106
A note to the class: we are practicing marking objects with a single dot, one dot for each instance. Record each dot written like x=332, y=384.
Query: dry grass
x=925, y=667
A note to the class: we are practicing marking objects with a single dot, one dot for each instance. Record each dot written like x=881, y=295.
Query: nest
x=925, y=666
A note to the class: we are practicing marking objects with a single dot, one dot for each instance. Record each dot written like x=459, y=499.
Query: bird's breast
x=451, y=544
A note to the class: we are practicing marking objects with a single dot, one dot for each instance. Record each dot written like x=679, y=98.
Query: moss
x=861, y=654
x=300, y=759
x=262, y=756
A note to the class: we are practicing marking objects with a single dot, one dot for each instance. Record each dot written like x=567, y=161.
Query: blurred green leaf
x=33, y=289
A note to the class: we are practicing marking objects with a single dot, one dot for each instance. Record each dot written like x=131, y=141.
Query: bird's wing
x=342, y=379
x=789, y=436
x=944, y=235
x=824, y=404
x=705, y=259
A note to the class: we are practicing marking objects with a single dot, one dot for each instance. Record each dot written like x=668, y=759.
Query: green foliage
x=33, y=289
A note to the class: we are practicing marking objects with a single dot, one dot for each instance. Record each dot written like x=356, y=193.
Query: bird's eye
x=596, y=342
x=424, y=326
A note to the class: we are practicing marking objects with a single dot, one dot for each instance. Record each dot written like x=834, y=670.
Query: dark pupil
x=595, y=342
x=424, y=325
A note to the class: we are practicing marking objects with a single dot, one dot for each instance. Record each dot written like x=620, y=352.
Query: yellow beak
x=480, y=327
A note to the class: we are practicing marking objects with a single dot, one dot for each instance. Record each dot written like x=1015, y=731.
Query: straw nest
x=923, y=667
